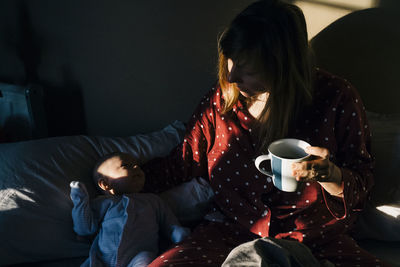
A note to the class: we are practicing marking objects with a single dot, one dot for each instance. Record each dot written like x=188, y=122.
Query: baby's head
x=118, y=173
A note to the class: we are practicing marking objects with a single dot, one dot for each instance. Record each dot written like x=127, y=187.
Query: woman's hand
x=320, y=169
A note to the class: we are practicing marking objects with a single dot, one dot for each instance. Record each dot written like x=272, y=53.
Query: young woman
x=269, y=89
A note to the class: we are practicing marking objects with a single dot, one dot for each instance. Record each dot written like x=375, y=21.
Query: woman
x=269, y=89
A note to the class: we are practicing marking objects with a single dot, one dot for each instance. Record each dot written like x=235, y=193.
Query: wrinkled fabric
x=222, y=148
x=270, y=252
x=128, y=227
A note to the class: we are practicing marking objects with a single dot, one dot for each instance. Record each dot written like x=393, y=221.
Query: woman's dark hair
x=273, y=34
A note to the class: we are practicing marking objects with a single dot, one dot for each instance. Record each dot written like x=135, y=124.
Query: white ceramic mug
x=282, y=154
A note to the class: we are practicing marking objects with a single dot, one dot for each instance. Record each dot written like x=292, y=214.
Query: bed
x=35, y=220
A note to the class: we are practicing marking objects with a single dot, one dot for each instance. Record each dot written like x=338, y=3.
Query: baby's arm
x=170, y=225
x=85, y=222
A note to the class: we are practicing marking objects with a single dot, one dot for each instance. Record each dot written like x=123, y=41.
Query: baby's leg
x=142, y=259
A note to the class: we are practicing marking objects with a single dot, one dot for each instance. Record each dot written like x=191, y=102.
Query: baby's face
x=124, y=174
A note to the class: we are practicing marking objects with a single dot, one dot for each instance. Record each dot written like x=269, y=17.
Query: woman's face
x=247, y=78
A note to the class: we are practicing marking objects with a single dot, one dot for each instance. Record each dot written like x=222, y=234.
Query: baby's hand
x=78, y=190
x=75, y=184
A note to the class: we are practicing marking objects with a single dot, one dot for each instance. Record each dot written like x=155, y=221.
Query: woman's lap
x=209, y=245
x=211, y=242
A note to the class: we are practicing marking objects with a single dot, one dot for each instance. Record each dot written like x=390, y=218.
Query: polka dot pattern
x=225, y=154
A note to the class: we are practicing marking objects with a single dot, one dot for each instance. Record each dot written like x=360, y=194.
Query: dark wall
x=392, y=4
x=113, y=67
x=363, y=47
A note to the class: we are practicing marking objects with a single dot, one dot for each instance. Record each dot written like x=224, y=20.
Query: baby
x=128, y=222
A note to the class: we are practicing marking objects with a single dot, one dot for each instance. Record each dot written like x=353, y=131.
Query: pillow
x=379, y=220
x=189, y=201
x=35, y=207
x=379, y=223
x=386, y=149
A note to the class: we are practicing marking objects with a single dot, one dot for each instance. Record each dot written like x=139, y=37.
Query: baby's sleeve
x=84, y=216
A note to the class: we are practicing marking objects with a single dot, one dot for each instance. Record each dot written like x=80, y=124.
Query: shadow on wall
x=363, y=48
x=136, y=65
x=63, y=105
x=64, y=109
x=393, y=4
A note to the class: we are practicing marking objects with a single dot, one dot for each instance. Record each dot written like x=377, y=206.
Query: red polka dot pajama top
x=221, y=148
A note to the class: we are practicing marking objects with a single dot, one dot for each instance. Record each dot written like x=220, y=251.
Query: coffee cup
x=282, y=154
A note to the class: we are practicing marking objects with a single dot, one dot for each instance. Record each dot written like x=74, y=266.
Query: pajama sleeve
x=353, y=154
x=189, y=159
x=86, y=215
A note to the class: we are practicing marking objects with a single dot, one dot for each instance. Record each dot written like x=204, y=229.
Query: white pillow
x=35, y=207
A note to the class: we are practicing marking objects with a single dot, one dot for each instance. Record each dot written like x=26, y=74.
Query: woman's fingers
x=317, y=164
x=311, y=170
x=320, y=169
x=318, y=151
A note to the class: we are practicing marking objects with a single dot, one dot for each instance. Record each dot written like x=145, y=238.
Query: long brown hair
x=275, y=34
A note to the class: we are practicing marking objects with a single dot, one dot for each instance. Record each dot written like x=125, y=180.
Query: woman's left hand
x=320, y=169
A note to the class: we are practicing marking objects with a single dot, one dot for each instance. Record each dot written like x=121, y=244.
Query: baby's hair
x=96, y=175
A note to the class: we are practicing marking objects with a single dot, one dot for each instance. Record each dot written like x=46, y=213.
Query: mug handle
x=260, y=159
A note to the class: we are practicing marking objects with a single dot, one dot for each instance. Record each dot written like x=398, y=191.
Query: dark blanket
x=264, y=252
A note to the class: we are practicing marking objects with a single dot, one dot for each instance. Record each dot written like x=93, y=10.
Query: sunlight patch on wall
x=353, y=4
x=321, y=13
